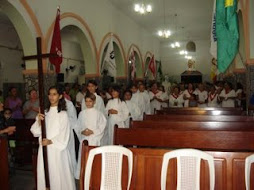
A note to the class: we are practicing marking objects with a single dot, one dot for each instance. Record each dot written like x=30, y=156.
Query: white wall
x=251, y=23
x=10, y=56
x=174, y=64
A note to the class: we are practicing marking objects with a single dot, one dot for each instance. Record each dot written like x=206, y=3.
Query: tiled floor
x=22, y=180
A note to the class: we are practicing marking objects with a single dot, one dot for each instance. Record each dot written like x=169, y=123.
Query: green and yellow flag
x=227, y=33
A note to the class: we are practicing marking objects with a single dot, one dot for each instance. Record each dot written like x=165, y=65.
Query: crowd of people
x=91, y=115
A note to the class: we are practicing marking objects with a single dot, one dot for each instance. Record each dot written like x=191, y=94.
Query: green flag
x=227, y=33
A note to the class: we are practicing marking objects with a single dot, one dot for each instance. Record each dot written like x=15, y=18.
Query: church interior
x=165, y=86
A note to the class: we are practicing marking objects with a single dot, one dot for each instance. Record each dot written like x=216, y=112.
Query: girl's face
x=115, y=94
x=54, y=97
x=14, y=92
x=127, y=96
x=176, y=91
x=33, y=94
x=190, y=87
x=7, y=114
x=89, y=102
x=1, y=106
x=91, y=88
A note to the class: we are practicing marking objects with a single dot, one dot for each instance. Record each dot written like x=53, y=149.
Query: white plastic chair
x=111, y=174
x=188, y=168
x=248, y=161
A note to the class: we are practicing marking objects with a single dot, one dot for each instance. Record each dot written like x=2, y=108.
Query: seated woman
x=175, y=99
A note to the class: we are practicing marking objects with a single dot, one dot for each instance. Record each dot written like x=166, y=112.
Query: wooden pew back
x=206, y=140
x=182, y=111
x=229, y=170
x=194, y=125
x=4, y=170
x=173, y=117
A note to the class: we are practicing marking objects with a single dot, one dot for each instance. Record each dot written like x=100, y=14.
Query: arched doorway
x=77, y=54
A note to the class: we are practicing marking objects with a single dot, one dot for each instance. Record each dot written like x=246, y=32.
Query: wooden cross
x=39, y=57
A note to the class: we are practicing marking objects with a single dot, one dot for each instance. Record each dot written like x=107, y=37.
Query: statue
x=191, y=65
x=166, y=84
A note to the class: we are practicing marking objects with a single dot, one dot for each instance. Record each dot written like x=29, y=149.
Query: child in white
x=202, y=96
x=91, y=124
x=58, y=133
x=176, y=100
x=118, y=114
x=213, y=98
x=227, y=96
x=155, y=98
x=144, y=93
x=187, y=94
x=134, y=110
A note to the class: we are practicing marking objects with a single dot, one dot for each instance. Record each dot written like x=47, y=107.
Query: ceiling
x=193, y=20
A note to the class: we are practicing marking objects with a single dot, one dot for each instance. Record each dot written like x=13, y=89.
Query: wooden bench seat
x=205, y=140
x=194, y=125
x=173, y=117
x=4, y=170
x=182, y=111
x=229, y=170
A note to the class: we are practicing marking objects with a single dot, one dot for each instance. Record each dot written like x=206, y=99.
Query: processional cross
x=39, y=58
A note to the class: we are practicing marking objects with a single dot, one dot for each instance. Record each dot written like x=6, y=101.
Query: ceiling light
x=175, y=45
x=183, y=52
x=142, y=8
x=164, y=33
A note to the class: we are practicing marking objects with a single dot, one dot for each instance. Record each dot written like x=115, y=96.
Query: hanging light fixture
x=164, y=33
x=176, y=44
x=143, y=8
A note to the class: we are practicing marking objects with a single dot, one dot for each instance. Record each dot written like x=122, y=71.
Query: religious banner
x=152, y=66
x=132, y=65
x=109, y=63
x=227, y=33
x=213, y=48
x=56, y=45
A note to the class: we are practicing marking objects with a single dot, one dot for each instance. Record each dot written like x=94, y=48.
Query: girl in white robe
x=91, y=125
x=144, y=93
x=202, y=96
x=227, y=96
x=213, y=98
x=58, y=133
x=175, y=99
x=138, y=99
x=99, y=104
x=187, y=94
x=155, y=98
x=118, y=113
x=134, y=110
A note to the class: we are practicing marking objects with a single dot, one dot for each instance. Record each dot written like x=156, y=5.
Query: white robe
x=187, y=95
x=119, y=118
x=72, y=115
x=202, y=96
x=60, y=171
x=135, y=112
x=139, y=100
x=164, y=97
x=94, y=120
x=228, y=102
x=99, y=104
x=147, y=102
x=176, y=101
x=155, y=104
x=213, y=100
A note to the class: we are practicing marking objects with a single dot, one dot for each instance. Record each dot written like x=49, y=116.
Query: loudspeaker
x=60, y=77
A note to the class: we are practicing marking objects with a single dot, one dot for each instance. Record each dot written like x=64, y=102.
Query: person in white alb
x=138, y=99
x=58, y=134
x=90, y=126
x=99, y=104
x=143, y=92
x=213, y=98
x=202, y=96
x=134, y=110
x=164, y=97
x=118, y=113
x=227, y=96
x=155, y=98
x=187, y=94
x=175, y=99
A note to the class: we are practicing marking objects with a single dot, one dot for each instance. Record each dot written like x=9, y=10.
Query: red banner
x=56, y=45
x=152, y=66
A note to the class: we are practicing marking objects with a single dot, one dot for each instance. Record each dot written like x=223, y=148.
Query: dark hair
x=92, y=82
x=127, y=91
x=7, y=109
x=117, y=89
x=33, y=89
x=61, y=104
x=91, y=96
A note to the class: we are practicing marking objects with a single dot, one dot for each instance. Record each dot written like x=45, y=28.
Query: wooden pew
x=193, y=125
x=229, y=170
x=183, y=111
x=220, y=118
x=25, y=142
x=4, y=169
x=206, y=108
x=205, y=140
